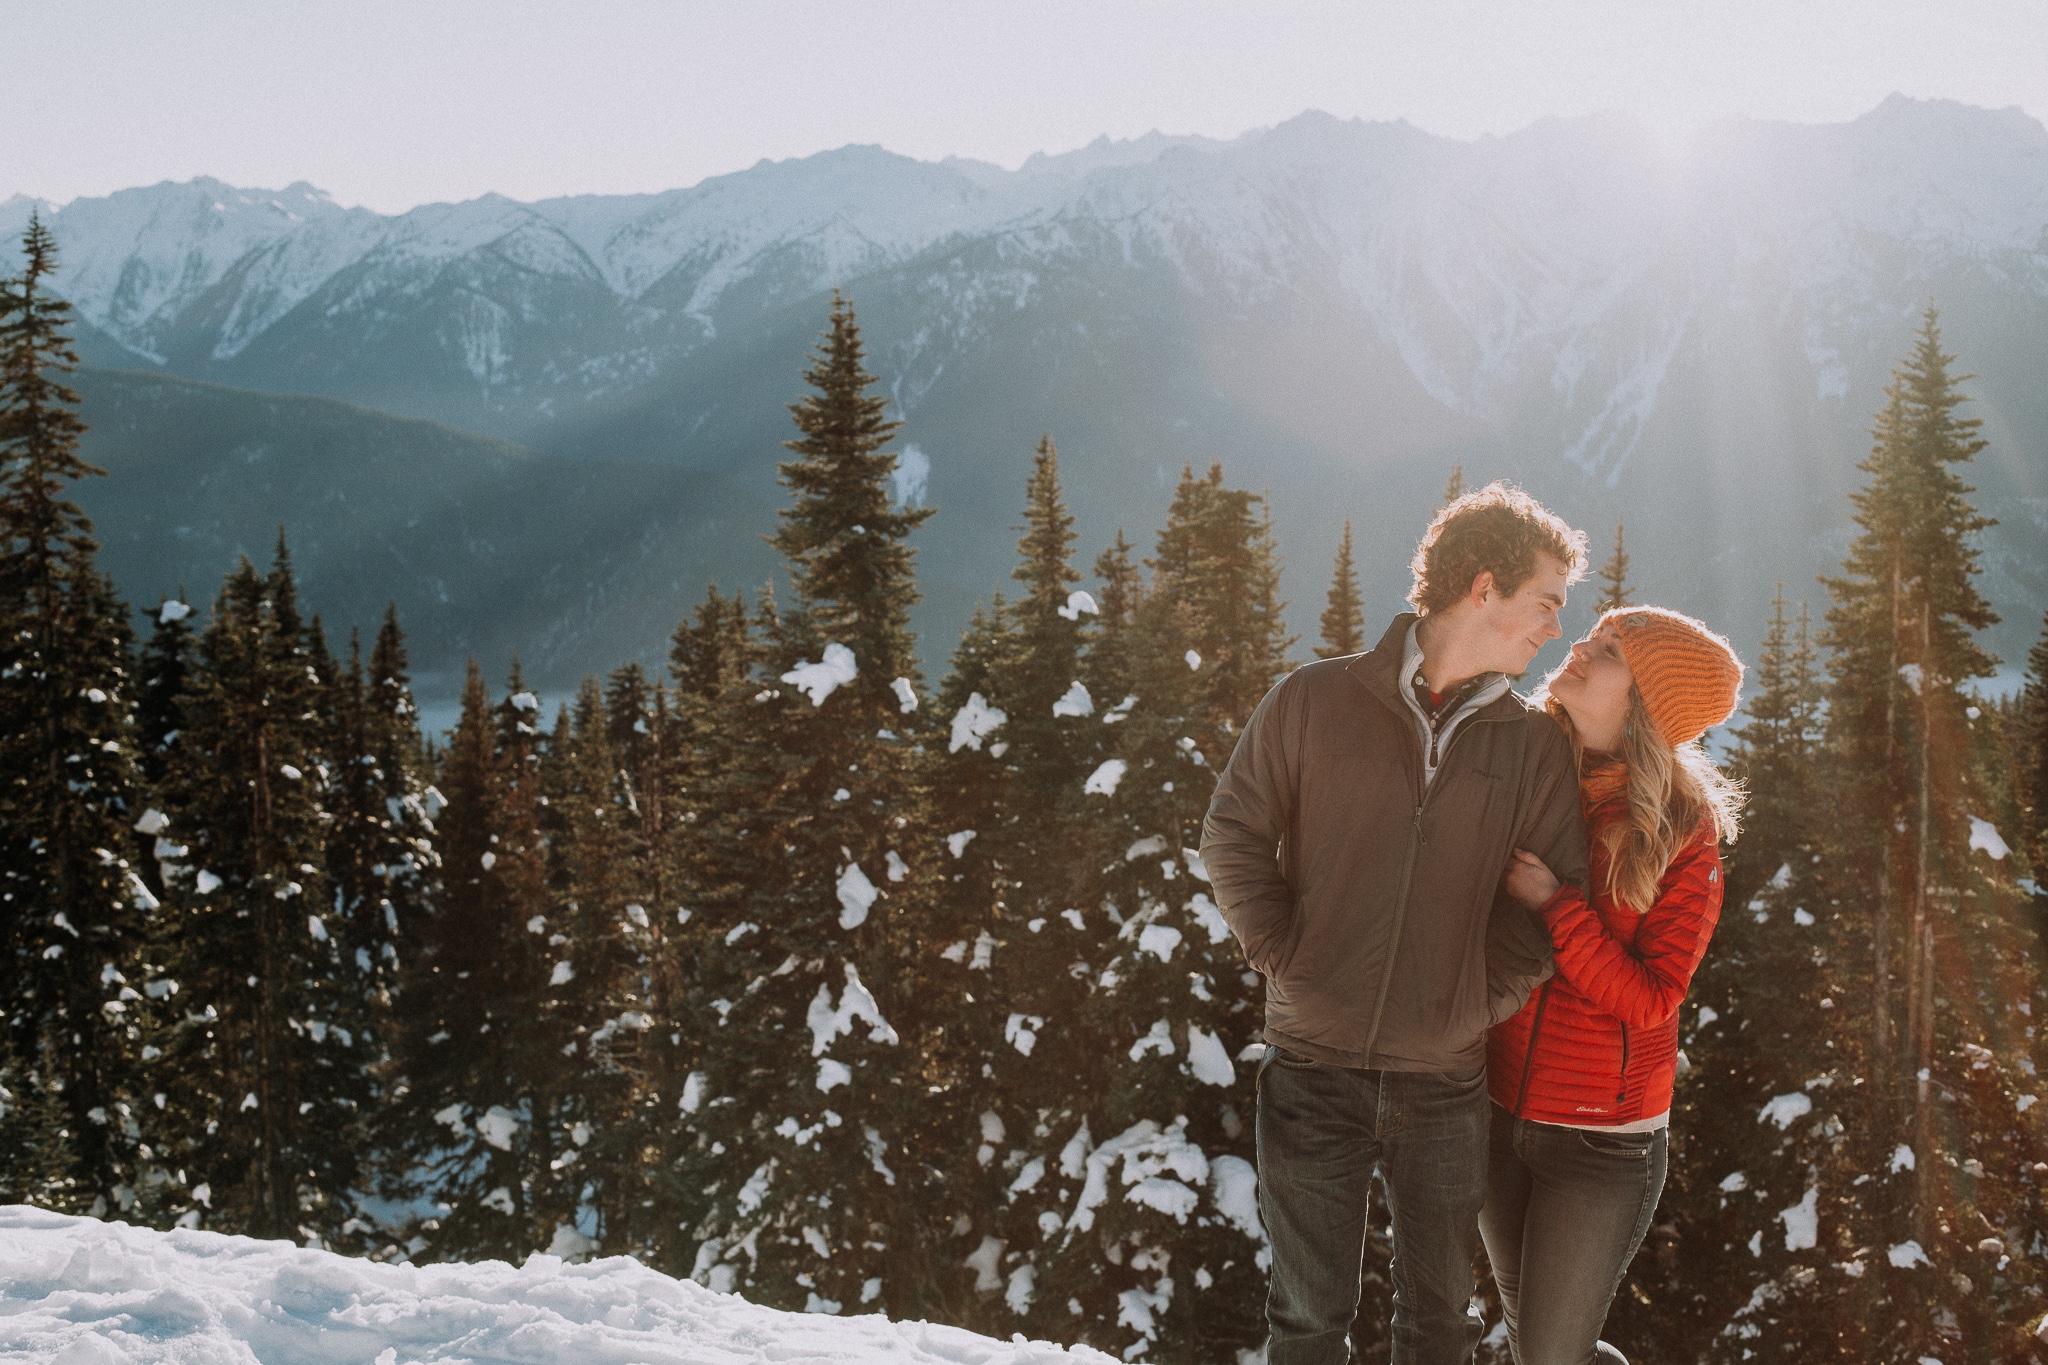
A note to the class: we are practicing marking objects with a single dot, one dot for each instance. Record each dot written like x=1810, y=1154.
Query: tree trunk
x=1880, y=984
x=1920, y=946
x=271, y=1215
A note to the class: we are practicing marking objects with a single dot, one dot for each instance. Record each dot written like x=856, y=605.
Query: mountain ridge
x=1337, y=309
x=379, y=508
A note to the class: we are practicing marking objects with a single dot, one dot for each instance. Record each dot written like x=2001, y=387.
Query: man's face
x=1516, y=626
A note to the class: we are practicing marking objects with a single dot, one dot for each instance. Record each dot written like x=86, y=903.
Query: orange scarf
x=1602, y=780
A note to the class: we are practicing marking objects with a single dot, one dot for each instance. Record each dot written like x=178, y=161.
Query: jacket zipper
x=1529, y=1054
x=1624, y=1066
x=1415, y=841
x=1372, y=1034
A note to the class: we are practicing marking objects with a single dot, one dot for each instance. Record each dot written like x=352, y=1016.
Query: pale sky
x=392, y=103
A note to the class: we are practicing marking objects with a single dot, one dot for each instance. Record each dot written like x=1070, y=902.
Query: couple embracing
x=1476, y=916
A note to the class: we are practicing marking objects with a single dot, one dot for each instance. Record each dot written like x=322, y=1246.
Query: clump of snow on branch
x=856, y=895
x=1208, y=1059
x=906, y=695
x=1075, y=701
x=856, y=1002
x=1021, y=1032
x=1234, y=1186
x=1160, y=1169
x=820, y=680
x=1802, y=1222
x=1159, y=1038
x=1102, y=782
x=1209, y=918
x=1079, y=604
x=1159, y=940
x=973, y=722
x=1149, y=846
x=1984, y=837
x=498, y=1127
x=1782, y=1109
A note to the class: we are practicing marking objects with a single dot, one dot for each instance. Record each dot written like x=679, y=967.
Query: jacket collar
x=1379, y=671
x=1379, y=668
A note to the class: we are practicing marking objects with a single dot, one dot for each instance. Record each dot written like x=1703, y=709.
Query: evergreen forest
x=796, y=972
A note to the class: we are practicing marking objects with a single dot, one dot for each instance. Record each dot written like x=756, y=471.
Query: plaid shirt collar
x=1437, y=712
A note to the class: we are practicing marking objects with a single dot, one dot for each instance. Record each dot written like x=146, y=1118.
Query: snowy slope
x=81, y=1292
x=143, y=264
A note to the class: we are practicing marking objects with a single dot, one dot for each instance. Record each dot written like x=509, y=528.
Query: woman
x=1581, y=1078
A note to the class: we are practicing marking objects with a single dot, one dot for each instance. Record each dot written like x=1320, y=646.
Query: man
x=1356, y=842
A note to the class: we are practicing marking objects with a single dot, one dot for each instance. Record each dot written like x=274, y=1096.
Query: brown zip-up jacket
x=1371, y=905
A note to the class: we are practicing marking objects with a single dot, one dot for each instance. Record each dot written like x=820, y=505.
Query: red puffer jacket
x=1598, y=1044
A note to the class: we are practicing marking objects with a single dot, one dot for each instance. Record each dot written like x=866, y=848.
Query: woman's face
x=1594, y=688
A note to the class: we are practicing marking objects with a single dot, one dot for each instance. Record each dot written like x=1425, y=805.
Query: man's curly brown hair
x=1498, y=528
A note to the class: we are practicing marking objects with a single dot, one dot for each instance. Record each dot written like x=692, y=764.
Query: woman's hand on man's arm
x=1529, y=879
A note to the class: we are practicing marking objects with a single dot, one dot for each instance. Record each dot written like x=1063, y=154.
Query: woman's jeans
x=1322, y=1131
x=1566, y=1209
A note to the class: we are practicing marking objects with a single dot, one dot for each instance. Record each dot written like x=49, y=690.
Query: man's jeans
x=1566, y=1209
x=1322, y=1132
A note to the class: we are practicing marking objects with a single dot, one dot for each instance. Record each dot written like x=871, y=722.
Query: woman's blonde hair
x=1671, y=792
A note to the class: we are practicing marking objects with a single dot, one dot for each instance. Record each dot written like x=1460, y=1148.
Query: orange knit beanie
x=1689, y=677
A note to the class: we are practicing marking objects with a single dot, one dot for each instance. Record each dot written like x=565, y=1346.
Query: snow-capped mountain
x=1483, y=264
x=1338, y=310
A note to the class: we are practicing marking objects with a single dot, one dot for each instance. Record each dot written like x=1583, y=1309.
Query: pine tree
x=1175, y=1264
x=1615, y=593
x=846, y=545
x=1751, y=1251
x=1905, y=789
x=1454, y=487
x=1112, y=659
x=72, y=906
x=165, y=662
x=381, y=857
x=1767, y=1091
x=259, y=1030
x=692, y=862
x=976, y=807
x=604, y=871
x=628, y=1112
x=1216, y=560
x=1040, y=683
x=399, y=770
x=38, y=1162
x=470, y=1118
x=820, y=1205
x=1774, y=754
x=1037, y=935
x=1343, y=620
x=2033, y=760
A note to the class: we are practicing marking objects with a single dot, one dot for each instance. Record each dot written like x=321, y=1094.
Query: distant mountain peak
x=1897, y=113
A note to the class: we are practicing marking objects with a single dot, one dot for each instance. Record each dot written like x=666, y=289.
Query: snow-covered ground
x=74, y=1291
